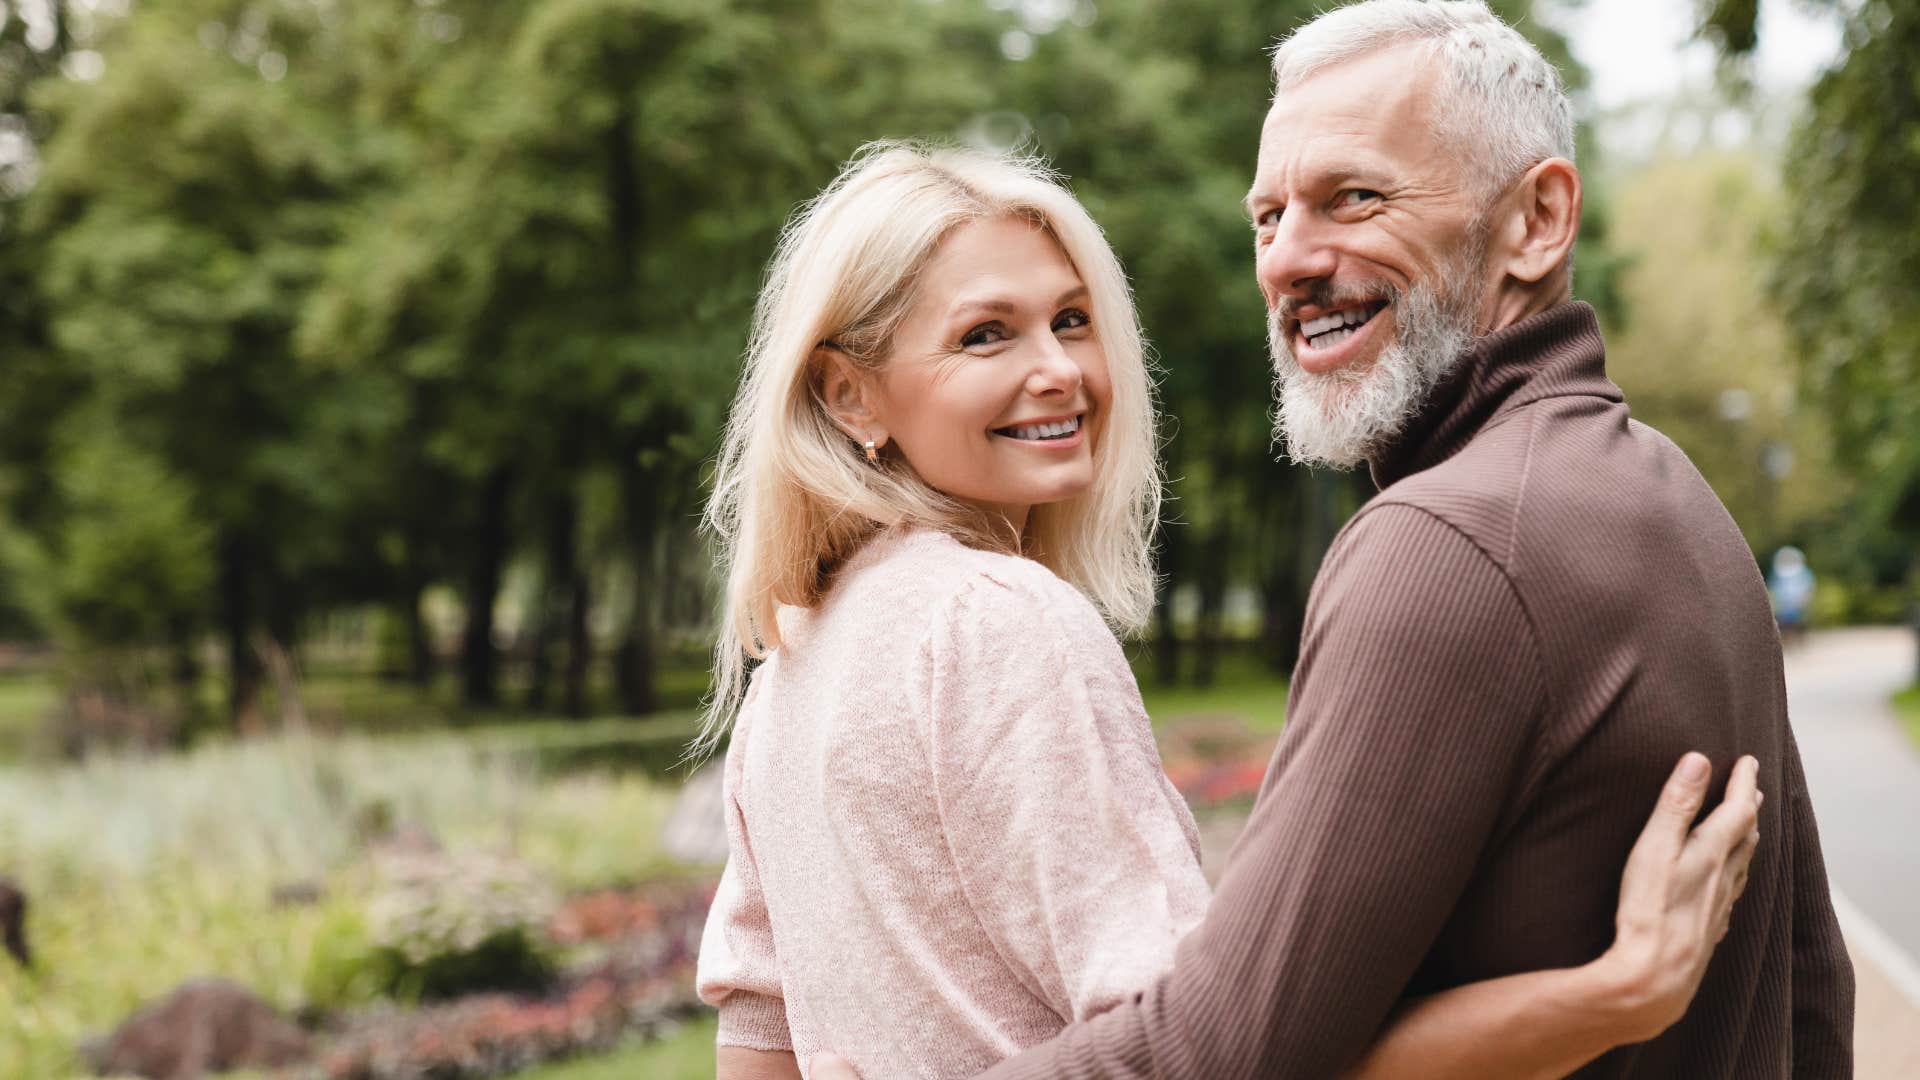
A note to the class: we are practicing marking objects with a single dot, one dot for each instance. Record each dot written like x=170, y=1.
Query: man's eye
x=984, y=334
x=1071, y=319
x=1357, y=197
x=1267, y=219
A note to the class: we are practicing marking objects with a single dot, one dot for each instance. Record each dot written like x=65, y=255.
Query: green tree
x=1706, y=355
x=183, y=206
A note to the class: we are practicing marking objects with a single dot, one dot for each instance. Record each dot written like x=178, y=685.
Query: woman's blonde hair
x=794, y=496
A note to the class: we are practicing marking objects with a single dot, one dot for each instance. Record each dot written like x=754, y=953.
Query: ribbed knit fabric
x=1505, y=652
x=948, y=828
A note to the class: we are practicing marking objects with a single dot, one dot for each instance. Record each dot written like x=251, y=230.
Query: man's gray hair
x=1502, y=102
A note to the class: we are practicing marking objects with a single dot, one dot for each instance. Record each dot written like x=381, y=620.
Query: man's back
x=1656, y=637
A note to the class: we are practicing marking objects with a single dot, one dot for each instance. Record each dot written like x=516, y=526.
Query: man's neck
x=1516, y=301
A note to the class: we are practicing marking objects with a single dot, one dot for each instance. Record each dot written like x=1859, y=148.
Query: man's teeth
x=1336, y=326
x=1054, y=430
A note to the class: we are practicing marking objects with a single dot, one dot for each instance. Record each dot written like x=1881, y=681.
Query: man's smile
x=1327, y=338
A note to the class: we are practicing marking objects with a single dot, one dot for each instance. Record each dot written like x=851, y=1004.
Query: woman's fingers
x=1712, y=844
x=1666, y=831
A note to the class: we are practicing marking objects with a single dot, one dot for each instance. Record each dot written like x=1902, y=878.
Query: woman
x=950, y=834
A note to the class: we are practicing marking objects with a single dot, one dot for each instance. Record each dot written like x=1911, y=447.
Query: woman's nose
x=1055, y=371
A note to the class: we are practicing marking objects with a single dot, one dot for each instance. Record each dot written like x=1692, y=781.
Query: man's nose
x=1295, y=256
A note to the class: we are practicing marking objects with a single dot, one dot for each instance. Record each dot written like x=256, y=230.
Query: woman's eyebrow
x=999, y=305
x=981, y=305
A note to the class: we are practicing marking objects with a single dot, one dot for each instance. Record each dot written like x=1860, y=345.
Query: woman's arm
x=1078, y=859
x=739, y=1063
x=738, y=971
x=1675, y=899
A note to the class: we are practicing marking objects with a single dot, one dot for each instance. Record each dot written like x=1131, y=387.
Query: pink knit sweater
x=949, y=830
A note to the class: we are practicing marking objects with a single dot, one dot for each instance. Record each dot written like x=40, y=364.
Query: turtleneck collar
x=1553, y=354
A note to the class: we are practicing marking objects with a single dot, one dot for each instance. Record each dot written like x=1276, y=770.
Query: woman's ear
x=849, y=395
x=1542, y=220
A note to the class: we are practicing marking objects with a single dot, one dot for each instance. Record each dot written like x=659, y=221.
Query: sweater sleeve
x=738, y=972
x=1822, y=970
x=1413, y=712
x=1076, y=854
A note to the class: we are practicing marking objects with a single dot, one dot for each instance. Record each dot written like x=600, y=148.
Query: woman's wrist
x=1625, y=991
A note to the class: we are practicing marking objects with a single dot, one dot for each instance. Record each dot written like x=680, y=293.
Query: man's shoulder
x=1478, y=492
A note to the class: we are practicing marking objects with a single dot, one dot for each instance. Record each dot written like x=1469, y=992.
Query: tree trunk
x=419, y=635
x=1283, y=595
x=634, y=661
x=559, y=514
x=579, y=643
x=1166, y=634
x=1281, y=618
x=1210, y=628
x=479, y=667
x=236, y=604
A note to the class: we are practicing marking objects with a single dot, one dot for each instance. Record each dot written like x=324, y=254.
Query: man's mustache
x=1325, y=294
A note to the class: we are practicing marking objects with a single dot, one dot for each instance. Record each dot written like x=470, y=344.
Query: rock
x=13, y=922
x=298, y=894
x=205, y=1026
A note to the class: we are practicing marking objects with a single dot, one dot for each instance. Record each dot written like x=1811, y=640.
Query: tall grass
x=142, y=872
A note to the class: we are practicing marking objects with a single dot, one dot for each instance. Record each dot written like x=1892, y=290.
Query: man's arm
x=1822, y=970
x=1413, y=712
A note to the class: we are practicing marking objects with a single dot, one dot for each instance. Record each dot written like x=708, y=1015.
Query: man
x=1507, y=647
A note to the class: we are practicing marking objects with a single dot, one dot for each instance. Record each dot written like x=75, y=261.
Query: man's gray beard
x=1343, y=417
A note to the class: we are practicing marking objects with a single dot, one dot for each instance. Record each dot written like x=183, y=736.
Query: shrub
x=443, y=925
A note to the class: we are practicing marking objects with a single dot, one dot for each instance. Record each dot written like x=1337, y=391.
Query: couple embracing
x=952, y=847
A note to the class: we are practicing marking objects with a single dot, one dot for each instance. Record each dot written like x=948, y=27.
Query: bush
x=444, y=925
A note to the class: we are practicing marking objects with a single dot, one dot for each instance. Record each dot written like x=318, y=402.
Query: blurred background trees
x=396, y=337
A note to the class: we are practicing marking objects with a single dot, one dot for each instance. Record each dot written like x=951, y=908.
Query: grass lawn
x=1906, y=703
x=685, y=1054
x=25, y=699
x=1244, y=687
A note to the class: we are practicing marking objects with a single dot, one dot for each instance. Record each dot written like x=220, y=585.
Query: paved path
x=1862, y=770
x=1864, y=775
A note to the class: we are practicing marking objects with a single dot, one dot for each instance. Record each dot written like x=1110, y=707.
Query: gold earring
x=873, y=456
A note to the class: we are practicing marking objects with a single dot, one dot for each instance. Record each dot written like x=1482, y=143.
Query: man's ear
x=848, y=393
x=1540, y=220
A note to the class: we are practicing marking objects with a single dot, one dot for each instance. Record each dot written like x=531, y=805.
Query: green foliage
x=1907, y=704
x=131, y=555
x=1849, y=264
x=1706, y=356
x=373, y=299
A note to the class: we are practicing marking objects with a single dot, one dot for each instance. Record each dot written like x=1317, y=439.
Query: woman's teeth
x=1057, y=429
x=1337, y=326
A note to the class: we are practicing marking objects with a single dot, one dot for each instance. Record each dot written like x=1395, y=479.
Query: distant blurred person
x=1790, y=586
x=950, y=834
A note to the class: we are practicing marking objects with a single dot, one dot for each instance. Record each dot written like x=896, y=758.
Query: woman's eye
x=1071, y=319
x=984, y=334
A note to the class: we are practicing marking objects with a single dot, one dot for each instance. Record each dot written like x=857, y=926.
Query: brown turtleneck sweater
x=1506, y=651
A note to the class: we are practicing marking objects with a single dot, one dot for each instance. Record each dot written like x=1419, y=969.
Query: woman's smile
x=1047, y=433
